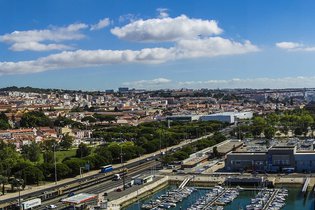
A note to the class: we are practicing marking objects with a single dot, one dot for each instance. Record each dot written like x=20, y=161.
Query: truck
x=116, y=177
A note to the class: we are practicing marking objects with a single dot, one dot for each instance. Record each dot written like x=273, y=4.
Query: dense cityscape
x=50, y=135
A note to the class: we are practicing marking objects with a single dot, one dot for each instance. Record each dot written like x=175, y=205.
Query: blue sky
x=97, y=45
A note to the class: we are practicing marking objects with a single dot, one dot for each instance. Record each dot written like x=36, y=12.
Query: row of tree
x=300, y=122
x=184, y=153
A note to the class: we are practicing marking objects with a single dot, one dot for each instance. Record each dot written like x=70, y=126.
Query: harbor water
x=295, y=200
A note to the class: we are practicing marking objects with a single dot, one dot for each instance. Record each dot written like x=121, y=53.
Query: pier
x=305, y=185
x=214, y=200
x=184, y=183
x=272, y=197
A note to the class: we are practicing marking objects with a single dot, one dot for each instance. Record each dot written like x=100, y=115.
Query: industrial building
x=183, y=118
x=275, y=159
x=229, y=117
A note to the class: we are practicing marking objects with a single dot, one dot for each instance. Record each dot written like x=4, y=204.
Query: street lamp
x=81, y=175
x=55, y=163
x=18, y=183
x=123, y=166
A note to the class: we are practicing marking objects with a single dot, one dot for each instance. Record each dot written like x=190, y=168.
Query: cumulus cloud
x=166, y=29
x=213, y=46
x=100, y=25
x=294, y=46
x=158, y=82
x=163, y=12
x=36, y=39
x=209, y=47
x=286, y=82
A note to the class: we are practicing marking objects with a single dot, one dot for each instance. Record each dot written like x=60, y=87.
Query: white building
x=229, y=117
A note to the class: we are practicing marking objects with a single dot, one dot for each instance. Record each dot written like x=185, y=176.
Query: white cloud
x=34, y=39
x=36, y=46
x=294, y=46
x=158, y=82
x=288, y=45
x=163, y=12
x=100, y=25
x=166, y=29
x=213, y=46
x=210, y=47
x=286, y=82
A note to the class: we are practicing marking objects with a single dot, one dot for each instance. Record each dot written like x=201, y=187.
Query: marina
x=243, y=198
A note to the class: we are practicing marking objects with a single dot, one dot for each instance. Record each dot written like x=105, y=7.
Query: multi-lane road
x=105, y=186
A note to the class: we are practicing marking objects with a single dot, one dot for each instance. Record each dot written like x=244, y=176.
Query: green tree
x=83, y=151
x=258, y=126
x=215, y=152
x=105, y=153
x=66, y=142
x=180, y=155
x=32, y=175
x=89, y=119
x=269, y=132
x=16, y=183
x=63, y=171
x=107, y=118
x=4, y=121
x=74, y=164
x=3, y=181
x=34, y=119
x=48, y=157
x=31, y=151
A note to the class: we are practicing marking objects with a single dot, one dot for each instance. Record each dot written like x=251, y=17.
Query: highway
x=103, y=186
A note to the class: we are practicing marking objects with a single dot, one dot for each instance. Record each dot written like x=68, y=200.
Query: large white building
x=229, y=117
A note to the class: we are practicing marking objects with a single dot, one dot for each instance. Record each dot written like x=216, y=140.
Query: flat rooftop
x=79, y=198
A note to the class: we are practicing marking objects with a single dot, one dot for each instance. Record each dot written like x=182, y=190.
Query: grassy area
x=60, y=155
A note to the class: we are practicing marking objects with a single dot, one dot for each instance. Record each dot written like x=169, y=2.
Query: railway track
x=101, y=187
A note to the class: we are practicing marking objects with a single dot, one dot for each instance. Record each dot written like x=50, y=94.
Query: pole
x=123, y=167
x=19, y=197
x=55, y=163
x=160, y=142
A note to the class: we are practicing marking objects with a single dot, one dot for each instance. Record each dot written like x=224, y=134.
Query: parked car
x=51, y=206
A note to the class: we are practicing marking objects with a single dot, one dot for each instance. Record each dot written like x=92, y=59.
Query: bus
x=105, y=169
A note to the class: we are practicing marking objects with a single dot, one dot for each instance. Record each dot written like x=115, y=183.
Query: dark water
x=295, y=200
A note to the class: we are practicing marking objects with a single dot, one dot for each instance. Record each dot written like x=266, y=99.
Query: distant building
x=123, y=89
x=109, y=91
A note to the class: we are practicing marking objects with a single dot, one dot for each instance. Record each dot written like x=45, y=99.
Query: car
x=118, y=190
x=51, y=206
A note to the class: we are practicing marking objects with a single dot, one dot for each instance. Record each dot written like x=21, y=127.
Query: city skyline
x=204, y=44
